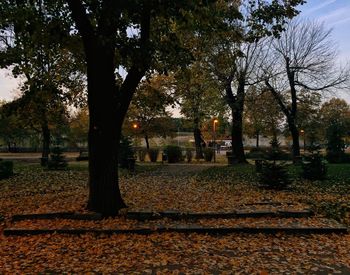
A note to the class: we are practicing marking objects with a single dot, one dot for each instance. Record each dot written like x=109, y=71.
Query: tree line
x=105, y=53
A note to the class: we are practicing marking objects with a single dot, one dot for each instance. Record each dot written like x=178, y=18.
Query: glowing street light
x=135, y=126
x=215, y=121
x=302, y=132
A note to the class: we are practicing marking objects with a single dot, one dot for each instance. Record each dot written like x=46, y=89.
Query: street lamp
x=303, y=134
x=135, y=126
x=215, y=121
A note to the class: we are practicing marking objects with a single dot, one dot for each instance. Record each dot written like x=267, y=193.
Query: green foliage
x=153, y=154
x=276, y=153
x=257, y=153
x=57, y=159
x=125, y=152
x=208, y=154
x=274, y=175
x=335, y=143
x=174, y=153
x=6, y=169
x=314, y=166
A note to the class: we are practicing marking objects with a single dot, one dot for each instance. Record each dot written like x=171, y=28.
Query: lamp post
x=215, y=121
x=303, y=133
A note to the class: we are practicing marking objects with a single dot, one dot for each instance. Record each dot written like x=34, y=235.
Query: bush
x=208, y=154
x=335, y=143
x=189, y=154
x=153, y=154
x=274, y=176
x=142, y=154
x=174, y=153
x=257, y=153
x=314, y=167
x=57, y=159
x=125, y=152
x=6, y=169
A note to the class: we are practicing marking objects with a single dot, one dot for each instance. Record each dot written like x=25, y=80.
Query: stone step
x=174, y=215
x=185, y=229
x=142, y=216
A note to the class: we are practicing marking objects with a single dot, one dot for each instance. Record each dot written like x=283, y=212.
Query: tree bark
x=198, y=140
x=236, y=104
x=104, y=138
x=257, y=139
x=295, y=137
x=147, y=141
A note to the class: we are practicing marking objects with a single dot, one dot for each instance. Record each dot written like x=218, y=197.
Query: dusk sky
x=335, y=14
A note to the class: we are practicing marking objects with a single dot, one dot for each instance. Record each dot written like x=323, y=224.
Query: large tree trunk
x=104, y=135
x=46, y=136
x=236, y=104
x=197, y=139
x=108, y=103
x=237, y=137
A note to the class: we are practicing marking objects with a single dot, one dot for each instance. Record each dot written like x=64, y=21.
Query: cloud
x=318, y=7
x=336, y=17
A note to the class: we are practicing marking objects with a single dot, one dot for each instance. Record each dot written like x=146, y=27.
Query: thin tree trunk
x=46, y=144
x=197, y=139
x=237, y=137
x=257, y=139
x=147, y=141
x=295, y=137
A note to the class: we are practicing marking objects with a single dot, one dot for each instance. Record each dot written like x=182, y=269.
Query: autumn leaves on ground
x=185, y=188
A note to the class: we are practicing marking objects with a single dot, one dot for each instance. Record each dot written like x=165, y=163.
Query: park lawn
x=34, y=190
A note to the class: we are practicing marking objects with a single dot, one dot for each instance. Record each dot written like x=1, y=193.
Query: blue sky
x=334, y=13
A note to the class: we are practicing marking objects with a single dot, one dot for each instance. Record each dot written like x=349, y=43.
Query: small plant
x=6, y=169
x=335, y=143
x=57, y=159
x=257, y=153
x=208, y=154
x=153, y=154
x=174, y=153
x=273, y=175
x=142, y=154
x=189, y=155
x=314, y=166
x=125, y=152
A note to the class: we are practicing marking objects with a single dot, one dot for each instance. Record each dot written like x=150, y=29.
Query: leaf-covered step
x=180, y=229
x=58, y=215
x=143, y=215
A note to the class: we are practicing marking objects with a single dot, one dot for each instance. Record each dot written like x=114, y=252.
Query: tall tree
x=34, y=44
x=262, y=115
x=303, y=62
x=137, y=35
x=198, y=97
x=148, y=108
